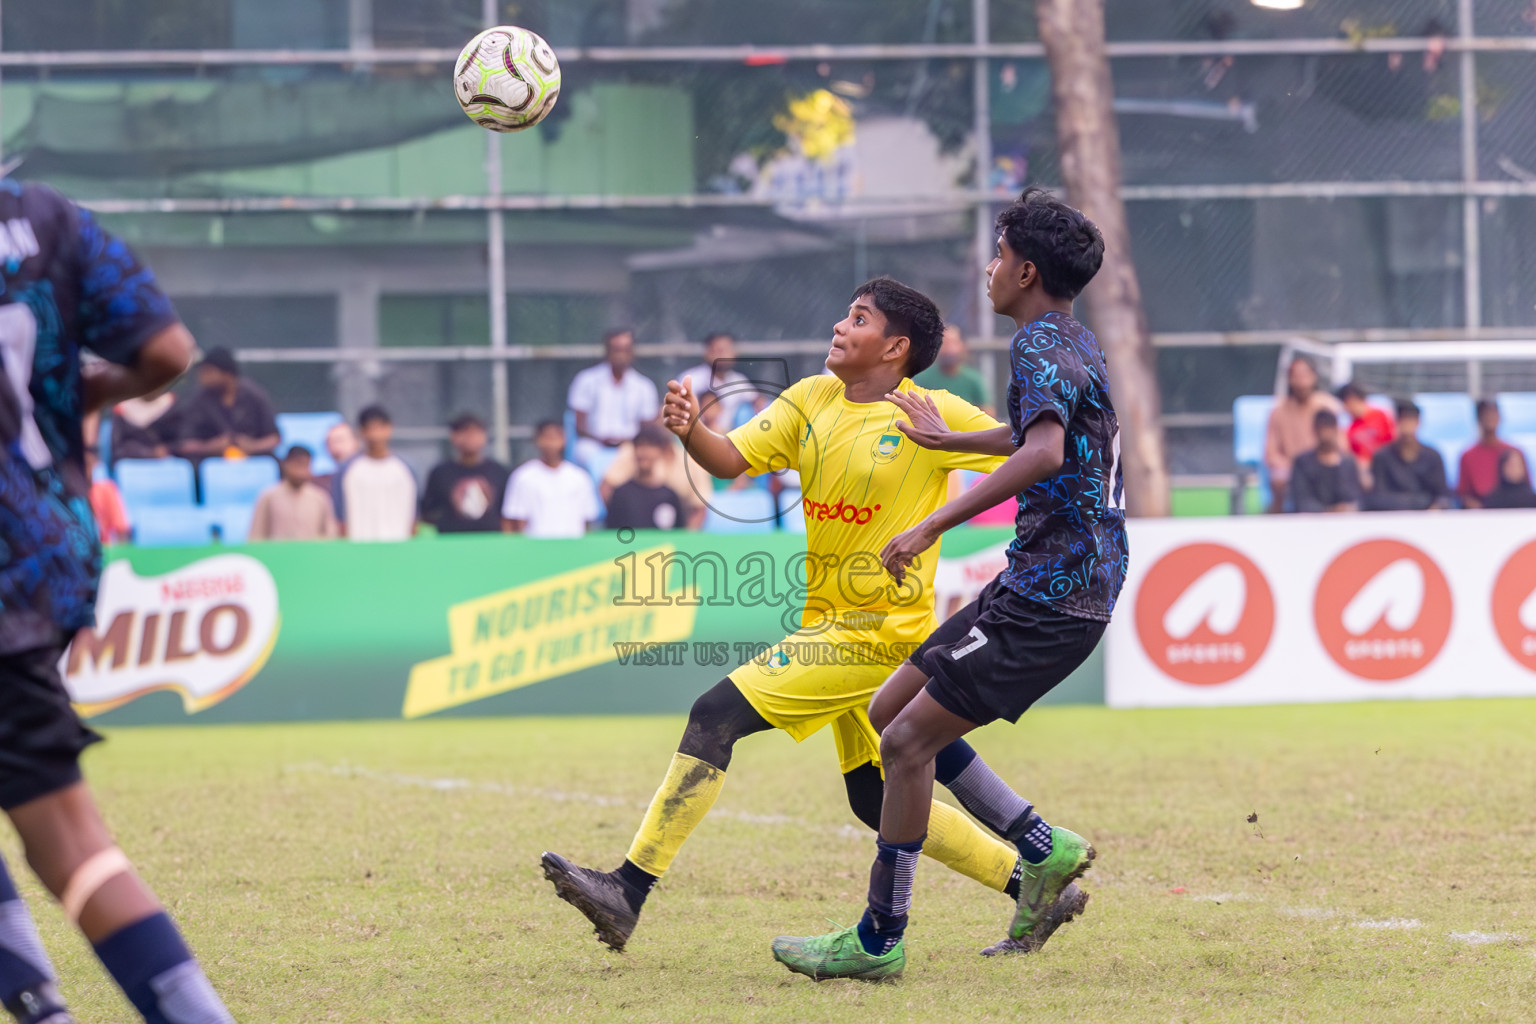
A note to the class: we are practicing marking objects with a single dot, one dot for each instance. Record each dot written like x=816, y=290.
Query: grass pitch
x=389, y=871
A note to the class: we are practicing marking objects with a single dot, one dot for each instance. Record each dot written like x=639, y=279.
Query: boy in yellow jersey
x=864, y=482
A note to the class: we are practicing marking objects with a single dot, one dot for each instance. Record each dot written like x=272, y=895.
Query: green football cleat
x=1043, y=883
x=1072, y=902
x=838, y=955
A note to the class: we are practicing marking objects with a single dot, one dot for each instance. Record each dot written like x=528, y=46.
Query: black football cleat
x=598, y=895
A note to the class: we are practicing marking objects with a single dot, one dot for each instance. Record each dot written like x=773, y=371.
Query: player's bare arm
x=162, y=359
x=1037, y=459
x=928, y=429
x=711, y=450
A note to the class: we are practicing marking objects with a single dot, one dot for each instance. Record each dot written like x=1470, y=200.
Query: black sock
x=637, y=883
x=1011, y=890
x=1033, y=837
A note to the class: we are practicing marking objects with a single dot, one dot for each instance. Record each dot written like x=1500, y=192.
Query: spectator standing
x=715, y=375
x=1482, y=464
x=295, y=508
x=1514, y=489
x=342, y=445
x=377, y=488
x=464, y=494
x=228, y=415
x=954, y=373
x=611, y=400
x=142, y=428
x=646, y=502
x=1369, y=427
x=548, y=497
x=1292, y=428
x=1407, y=475
x=1326, y=479
x=106, y=502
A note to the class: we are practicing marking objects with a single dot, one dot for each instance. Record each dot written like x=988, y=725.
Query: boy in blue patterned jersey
x=1031, y=627
x=66, y=285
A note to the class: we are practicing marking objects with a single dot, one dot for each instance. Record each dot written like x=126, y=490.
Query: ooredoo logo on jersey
x=1383, y=610
x=1514, y=606
x=1205, y=614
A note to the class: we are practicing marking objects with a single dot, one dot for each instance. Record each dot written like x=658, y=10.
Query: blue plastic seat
x=791, y=511
x=236, y=481
x=154, y=483
x=171, y=526
x=104, y=439
x=1250, y=424
x=1517, y=412
x=1450, y=454
x=309, y=429
x=1446, y=417
x=748, y=511
x=233, y=522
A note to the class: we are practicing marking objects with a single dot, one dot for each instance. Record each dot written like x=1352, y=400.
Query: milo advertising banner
x=464, y=625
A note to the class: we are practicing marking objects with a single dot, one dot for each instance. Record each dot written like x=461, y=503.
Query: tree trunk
x=1073, y=34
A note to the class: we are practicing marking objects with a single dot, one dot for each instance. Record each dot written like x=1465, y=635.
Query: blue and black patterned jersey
x=1070, y=552
x=65, y=285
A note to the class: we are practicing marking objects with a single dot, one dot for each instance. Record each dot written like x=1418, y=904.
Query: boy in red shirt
x=1371, y=427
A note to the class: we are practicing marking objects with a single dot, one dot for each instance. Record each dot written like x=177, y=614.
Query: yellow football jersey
x=863, y=482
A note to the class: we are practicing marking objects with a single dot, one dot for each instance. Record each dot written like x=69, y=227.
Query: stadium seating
x=747, y=511
x=233, y=522
x=792, y=511
x=1250, y=424
x=236, y=481
x=171, y=525
x=104, y=440
x=1517, y=411
x=308, y=429
x=155, y=483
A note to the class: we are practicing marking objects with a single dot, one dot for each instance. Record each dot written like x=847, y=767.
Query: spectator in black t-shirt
x=464, y=495
x=227, y=412
x=1327, y=478
x=646, y=502
x=1407, y=474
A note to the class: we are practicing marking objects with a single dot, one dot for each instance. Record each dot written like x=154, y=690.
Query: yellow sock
x=685, y=796
x=959, y=844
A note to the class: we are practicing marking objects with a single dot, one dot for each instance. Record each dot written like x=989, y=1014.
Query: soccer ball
x=507, y=79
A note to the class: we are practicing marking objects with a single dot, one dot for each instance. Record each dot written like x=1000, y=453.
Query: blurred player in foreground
x=864, y=482
x=69, y=285
x=1034, y=624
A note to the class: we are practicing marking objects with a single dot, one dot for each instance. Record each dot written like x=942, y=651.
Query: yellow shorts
x=804, y=683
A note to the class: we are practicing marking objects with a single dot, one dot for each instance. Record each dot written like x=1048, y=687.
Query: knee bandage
x=97, y=870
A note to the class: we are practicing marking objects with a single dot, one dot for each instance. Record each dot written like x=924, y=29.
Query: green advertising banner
x=461, y=625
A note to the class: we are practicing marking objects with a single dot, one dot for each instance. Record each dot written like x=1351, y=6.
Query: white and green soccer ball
x=507, y=79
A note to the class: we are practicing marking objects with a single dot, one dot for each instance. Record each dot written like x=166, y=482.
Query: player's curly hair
x=1065, y=247
x=907, y=312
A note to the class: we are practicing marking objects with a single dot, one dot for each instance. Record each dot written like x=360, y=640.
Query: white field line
x=1485, y=938
x=450, y=785
x=1392, y=923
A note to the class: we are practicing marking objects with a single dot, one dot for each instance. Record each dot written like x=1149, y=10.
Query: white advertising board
x=1295, y=609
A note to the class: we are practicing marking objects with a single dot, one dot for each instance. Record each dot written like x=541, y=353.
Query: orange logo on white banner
x=1514, y=606
x=1383, y=610
x=1205, y=614
x=203, y=631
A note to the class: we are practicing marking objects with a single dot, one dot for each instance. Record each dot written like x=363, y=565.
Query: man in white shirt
x=610, y=401
x=715, y=375
x=547, y=496
x=378, y=490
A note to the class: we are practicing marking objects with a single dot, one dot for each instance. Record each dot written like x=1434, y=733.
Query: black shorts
x=41, y=737
x=999, y=654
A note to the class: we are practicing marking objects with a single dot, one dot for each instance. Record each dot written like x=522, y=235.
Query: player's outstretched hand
x=680, y=409
x=901, y=550
x=927, y=427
